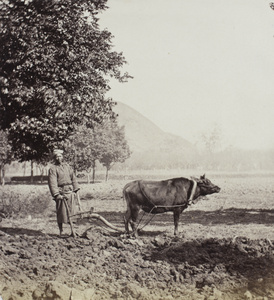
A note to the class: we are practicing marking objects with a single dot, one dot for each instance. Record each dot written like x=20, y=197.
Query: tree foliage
x=54, y=68
x=211, y=139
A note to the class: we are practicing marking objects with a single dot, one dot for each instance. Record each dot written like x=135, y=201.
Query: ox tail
x=125, y=198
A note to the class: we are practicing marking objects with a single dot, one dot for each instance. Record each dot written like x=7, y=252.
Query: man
x=62, y=184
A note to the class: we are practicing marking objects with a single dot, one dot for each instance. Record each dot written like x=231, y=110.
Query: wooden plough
x=90, y=215
x=86, y=214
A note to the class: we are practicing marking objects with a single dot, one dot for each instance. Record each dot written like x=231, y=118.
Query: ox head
x=206, y=186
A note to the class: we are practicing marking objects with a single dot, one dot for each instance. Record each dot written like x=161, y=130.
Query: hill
x=151, y=146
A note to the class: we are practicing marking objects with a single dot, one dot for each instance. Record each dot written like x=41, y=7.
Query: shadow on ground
x=21, y=231
x=226, y=216
x=220, y=259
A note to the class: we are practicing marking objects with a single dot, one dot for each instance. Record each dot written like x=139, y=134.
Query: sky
x=198, y=65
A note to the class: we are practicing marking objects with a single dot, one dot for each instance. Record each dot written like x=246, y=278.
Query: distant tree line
x=230, y=160
x=104, y=143
x=209, y=154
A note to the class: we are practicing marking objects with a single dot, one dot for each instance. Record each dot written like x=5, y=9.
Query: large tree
x=55, y=63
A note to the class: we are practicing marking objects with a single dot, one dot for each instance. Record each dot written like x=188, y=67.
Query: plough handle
x=78, y=200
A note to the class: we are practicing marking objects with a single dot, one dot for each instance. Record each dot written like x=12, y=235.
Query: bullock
x=162, y=196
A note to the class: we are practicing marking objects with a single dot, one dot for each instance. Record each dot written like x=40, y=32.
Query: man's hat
x=57, y=151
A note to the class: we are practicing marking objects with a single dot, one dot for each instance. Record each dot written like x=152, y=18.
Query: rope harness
x=189, y=202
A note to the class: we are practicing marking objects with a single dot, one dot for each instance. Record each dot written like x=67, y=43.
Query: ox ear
x=202, y=177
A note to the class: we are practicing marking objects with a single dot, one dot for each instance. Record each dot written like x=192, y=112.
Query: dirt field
x=224, y=250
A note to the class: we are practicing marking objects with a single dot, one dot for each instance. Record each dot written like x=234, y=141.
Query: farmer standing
x=62, y=184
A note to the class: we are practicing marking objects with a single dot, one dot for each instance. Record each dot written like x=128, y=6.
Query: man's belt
x=63, y=185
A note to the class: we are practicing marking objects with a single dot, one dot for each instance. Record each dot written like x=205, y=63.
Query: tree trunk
x=93, y=174
x=25, y=167
x=107, y=174
x=88, y=177
x=31, y=171
x=1, y=176
x=42, y=174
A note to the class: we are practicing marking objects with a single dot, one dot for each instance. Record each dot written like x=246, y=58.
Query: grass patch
x=22, y=201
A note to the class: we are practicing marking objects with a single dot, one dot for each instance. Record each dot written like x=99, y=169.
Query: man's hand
x=58, y=197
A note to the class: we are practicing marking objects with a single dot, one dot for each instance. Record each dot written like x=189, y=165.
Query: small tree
x=5, y=154
x=211, y=139
x=116, y=148
x=85, y=148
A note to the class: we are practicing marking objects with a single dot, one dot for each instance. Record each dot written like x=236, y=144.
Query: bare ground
x=224, y=251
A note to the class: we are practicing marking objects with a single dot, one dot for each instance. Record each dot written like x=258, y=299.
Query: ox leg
x=127, y=219
x=176, y=217
x=127, y=216
x=131, y=216
x=132, y=212
x=134, y=216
